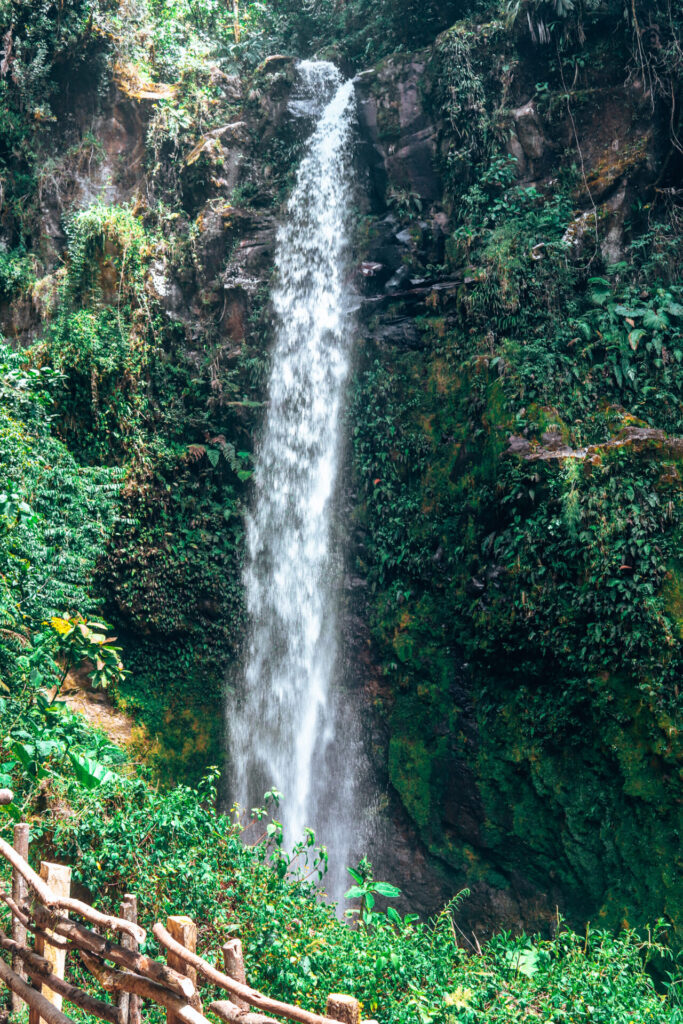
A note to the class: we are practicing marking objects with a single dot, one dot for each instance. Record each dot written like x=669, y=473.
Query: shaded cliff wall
x=517, y=445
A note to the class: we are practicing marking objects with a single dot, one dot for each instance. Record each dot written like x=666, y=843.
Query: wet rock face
x=528, y=143
x=460, y=830
x=399, y=138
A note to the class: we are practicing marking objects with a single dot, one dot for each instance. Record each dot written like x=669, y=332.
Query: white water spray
x=283, y=720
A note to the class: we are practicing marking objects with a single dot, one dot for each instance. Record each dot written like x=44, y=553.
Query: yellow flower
x=61, y=626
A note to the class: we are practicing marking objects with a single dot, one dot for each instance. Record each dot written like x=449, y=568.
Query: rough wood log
x=83, y=938
x=343, y=1008
x=43, y=1007
x=129, y=1005
x=18, y=912
x=251, y=996
x=6, y=797
x=229, y=1011
x=233, y=961
x=21, y=840
x=28, y=956
x=184, y=930
x=123, y=981
x=72, y=994
x=58, y=878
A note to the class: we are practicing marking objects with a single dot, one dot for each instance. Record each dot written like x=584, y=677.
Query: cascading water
x=283, y=719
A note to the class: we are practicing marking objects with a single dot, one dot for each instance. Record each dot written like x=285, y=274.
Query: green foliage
x=54, y=519
x=361, y=32
x=121, y=834
x=366, y=890
x=81, y=641
x=16, y=271
x=524, y=604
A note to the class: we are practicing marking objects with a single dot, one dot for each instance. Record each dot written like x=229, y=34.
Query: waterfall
x=283, y=719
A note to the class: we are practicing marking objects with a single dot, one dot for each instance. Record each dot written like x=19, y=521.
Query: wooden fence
x=42, y=908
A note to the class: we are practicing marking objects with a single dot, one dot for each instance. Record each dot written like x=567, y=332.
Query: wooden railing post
x=233, y=960
x=129, y=1004
x=343, y=1008
x=183, y=930
x=21, y=838
x=58, y=878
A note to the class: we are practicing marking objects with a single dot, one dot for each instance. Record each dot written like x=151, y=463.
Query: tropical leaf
x=90, y=773
x=655, y=320
x=599, y=291
x=386, y=889
x=393, y=915
x=524, y=961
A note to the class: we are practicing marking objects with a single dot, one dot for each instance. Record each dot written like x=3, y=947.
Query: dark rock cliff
x=529, y=814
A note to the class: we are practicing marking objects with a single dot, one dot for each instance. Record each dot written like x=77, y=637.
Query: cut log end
x=343, y=1008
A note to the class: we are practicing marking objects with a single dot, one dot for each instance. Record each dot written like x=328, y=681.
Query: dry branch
x=344, y=1008
x=35, y=1000
x=129, y=1005
x=122, y=981
x=247, y=993
x=49, y=899
x=184, y=930
x=58, y=878
x=228, y=1011
x=26, y=871
x=83, y=938
x=114, y=924
x=22, y=914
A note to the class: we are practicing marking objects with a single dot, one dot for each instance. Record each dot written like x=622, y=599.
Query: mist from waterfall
x=286, y=726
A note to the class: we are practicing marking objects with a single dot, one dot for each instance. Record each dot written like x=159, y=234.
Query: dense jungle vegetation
x=530, y=598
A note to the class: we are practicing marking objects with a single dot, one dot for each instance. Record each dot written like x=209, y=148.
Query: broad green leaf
x=355, y=893
x=386, y=889
x=655, y=321
x=524, y=961
x=599, y=291
x=25, y=752
x=89, y=773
